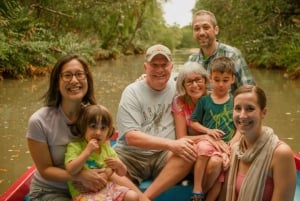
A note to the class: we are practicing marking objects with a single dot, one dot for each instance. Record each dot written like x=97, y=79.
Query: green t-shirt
x=95, y=160
x=215, y=116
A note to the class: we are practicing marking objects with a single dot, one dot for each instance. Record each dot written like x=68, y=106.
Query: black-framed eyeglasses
x=191, y=82
x=68, y=76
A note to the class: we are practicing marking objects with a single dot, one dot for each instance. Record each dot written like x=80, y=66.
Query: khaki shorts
x=142, y=167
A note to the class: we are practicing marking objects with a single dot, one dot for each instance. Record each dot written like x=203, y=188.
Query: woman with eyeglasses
x=70, y=87
x=191, y=86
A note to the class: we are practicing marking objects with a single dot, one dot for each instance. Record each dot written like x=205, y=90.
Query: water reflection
x=111, y=77
x=283, y=113
x=19, y=99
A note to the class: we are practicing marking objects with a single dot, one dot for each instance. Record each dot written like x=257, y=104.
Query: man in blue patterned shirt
x=205, y=30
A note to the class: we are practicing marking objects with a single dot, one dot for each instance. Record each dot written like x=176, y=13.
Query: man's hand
x=184, y=148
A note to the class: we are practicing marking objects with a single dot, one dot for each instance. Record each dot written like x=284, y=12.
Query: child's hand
x=117, y=165
x=113, y=163
x=93, y=145
x=215, y=133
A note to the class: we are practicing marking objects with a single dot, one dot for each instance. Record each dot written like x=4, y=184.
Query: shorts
x=42, y=192
x=142, y=167
x=208, y=147
x=205, y=148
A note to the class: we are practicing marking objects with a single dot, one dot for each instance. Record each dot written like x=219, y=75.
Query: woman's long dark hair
x=53, y=96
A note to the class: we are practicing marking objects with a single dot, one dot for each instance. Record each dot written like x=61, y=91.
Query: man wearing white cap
x=146, y=142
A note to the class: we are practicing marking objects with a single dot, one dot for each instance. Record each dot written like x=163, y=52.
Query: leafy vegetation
x=34, y=33
x=267, y=32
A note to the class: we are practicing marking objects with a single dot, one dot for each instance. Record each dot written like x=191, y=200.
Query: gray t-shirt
x=144, y=109
x=50, y=125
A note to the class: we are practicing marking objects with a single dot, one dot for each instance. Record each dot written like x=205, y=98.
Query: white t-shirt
x=144, y=109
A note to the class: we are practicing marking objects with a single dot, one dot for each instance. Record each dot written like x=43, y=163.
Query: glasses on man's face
x=191, y=82
x=68, y=76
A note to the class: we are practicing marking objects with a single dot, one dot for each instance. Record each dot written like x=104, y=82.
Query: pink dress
x=112, y=192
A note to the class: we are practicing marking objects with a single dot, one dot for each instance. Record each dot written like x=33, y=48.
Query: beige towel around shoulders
x=260, y=155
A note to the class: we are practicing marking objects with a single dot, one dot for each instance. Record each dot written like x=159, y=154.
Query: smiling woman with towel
x=262, y=167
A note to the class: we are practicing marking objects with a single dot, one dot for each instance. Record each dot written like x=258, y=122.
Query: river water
x=20, y=98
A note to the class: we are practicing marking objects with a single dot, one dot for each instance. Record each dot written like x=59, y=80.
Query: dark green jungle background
x=34, y=33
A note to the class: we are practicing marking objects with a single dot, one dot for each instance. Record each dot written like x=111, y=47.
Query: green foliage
x=170, y=37
x=187, y=38
x=15, y=29
x=264, y=30
x=291, y=51
x=71, y=43
x=36, y=33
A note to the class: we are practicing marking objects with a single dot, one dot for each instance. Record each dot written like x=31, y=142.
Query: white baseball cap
x=158, y=49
